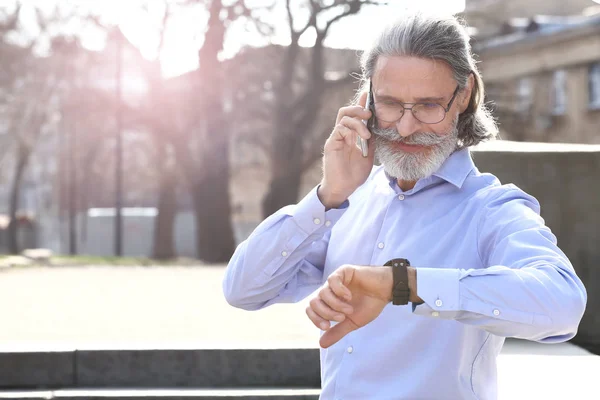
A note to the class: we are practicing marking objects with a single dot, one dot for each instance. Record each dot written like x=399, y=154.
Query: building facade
x=488, y=17
x=542, y=77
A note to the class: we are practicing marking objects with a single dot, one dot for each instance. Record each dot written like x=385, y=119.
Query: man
x=423, y=265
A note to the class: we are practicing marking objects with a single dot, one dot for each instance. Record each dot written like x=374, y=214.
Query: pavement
x=183, y=307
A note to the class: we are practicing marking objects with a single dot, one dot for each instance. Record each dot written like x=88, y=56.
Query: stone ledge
x=37, y=369
x=164, y=368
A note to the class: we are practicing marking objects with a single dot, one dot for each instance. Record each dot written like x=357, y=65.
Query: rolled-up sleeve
x=528, y=288
x=282, y=260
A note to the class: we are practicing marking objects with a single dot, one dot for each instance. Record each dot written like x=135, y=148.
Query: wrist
x=329, y=199
x=412, y=286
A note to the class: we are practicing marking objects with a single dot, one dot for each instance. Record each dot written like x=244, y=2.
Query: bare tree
x=203, y=147
x=30, y=89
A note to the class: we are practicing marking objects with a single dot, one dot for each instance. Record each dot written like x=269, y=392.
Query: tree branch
x=11, y=22
x=163, y=28
x=354, y=7
x=290, y=19
x=241, y=9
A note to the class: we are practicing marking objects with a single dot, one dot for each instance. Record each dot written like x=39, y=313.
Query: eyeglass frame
x=446, y=109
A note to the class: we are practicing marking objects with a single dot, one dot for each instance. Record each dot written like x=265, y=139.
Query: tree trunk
x=23, y=158
x=286, y=171
x=287, y=167
x=295, y=117
x=215, y=241
x=164, y=247
x=209, y=183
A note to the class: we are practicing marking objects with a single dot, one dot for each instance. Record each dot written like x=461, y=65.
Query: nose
x=408, y=124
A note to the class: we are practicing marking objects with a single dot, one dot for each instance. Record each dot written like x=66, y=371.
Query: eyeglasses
x=427, y=113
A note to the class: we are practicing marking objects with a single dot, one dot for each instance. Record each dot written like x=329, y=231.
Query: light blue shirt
x=487, y=268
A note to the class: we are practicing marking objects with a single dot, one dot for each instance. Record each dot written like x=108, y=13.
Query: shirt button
x=401, y=197
x=317, y=221
x=381, y=245
x=327, y=223
x=496, y=312
x=350, y=350
x=284, y=253
x=438, y=303
x=435, y=314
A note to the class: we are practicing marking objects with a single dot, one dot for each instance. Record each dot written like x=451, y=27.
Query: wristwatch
x=400, y=290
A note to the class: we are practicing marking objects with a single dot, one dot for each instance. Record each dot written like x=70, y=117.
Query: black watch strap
x=400, y=290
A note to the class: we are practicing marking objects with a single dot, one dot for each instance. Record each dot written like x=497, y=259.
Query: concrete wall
x=96, y=236
x=566, y=181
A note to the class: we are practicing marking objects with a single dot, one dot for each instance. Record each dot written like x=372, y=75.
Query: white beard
x=414, y=166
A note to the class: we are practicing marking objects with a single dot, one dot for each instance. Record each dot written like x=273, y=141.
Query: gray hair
x=437, y=38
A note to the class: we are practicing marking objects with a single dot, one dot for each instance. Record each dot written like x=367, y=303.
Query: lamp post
x=119, y=148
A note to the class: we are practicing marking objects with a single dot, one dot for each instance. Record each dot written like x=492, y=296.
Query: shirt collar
x=454, y=170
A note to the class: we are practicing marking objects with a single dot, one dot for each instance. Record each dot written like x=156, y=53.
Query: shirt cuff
x=439, y=289
x=310, y=214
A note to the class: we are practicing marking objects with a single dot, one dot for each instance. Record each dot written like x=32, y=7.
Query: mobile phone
x=360, y=142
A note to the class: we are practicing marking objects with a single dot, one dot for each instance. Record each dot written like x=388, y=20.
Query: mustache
x=417, y=138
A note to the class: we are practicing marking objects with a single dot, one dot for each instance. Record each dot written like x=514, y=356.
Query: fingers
x=350, y=123
x=323, y=312
x=357, y=112
x=335, y=302
x=320, y=314
x=336, y=284
x=329, y=305
x=333, y=335
x=357, y=126
x=342, y=134
x=319, y=322
x=362, y=100
x=348, y=129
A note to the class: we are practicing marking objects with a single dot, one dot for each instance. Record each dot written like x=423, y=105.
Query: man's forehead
x=412, y=73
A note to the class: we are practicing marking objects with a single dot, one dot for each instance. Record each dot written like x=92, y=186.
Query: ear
x=465, y=98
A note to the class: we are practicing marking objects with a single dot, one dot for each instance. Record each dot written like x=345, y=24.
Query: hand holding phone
x=344, y=167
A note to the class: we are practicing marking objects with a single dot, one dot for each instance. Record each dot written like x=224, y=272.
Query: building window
x=524, y=96
x=559, y=92
x=594, y=85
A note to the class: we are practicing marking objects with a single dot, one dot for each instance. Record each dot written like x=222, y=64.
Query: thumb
x=333, y=335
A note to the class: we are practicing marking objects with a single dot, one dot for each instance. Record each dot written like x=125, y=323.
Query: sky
x=185, y=32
